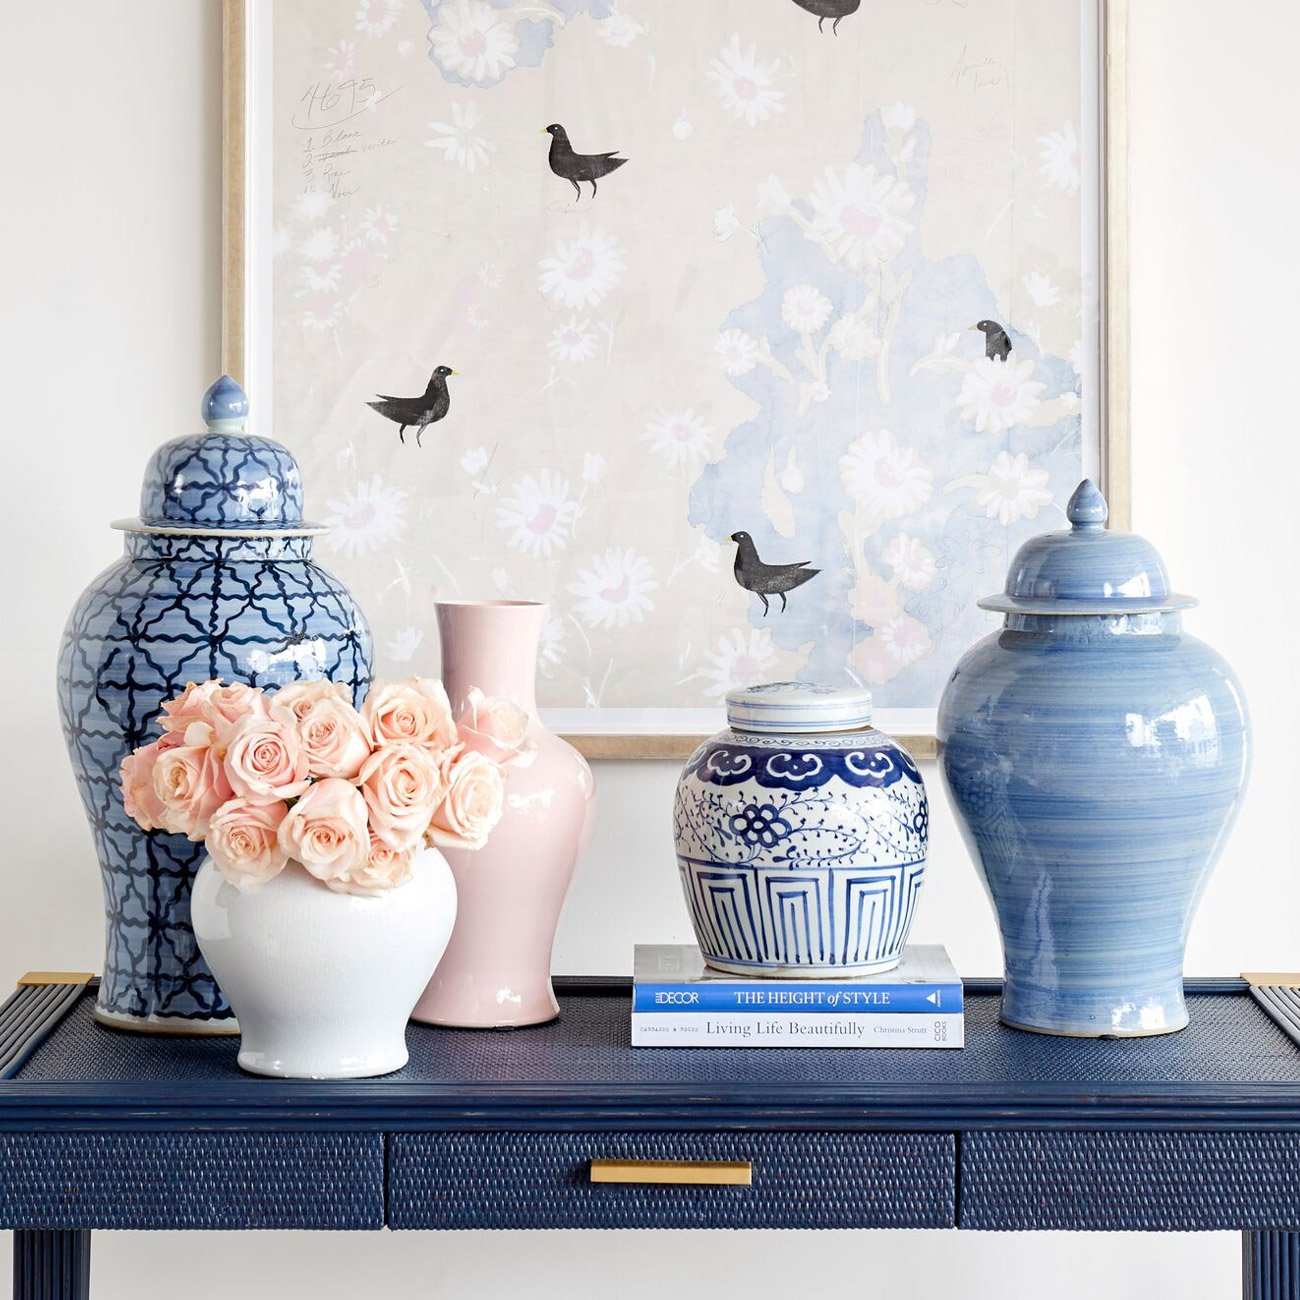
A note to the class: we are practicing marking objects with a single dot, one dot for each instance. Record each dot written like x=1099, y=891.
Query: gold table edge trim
x=38, y=978
x=725, y=1173
x=1275, y=979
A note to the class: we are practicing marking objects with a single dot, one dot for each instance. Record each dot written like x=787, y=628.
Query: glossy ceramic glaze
x=497, y=969
x=323, y=983
x=217, y=581
x=801, y=849
x=1096, y=760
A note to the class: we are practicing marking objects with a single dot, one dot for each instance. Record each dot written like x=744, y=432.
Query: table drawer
x=797, y=1180
x=191, y=1180
x=1131, y=1182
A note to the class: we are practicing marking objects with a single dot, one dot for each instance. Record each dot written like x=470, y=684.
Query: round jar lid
x=1087, y=569
x=222, y=481
x=798, y=708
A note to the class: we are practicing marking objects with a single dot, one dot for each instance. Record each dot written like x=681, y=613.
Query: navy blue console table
x=1193, y=1132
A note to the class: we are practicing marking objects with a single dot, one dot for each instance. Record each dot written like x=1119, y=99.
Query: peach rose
x=334, y=738
x=385, y=868
x=190, y=784
x=220, y=707
x=243, y=840
x=496, y=728
x=298, y=697
x=402, y=784
x=472, y=807
x=416, y=711
x=326, y=829
x=138, y=795
x=265, y=759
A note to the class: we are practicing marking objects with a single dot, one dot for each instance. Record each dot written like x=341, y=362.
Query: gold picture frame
x=1112, y=135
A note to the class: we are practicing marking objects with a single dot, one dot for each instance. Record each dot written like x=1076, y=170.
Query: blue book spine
x=800, y=998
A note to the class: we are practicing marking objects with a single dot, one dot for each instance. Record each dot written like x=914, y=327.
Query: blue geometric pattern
x=182, y=609
x=222, y=480
x=801, y=851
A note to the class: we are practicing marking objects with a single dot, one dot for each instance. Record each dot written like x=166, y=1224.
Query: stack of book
x=677, y=1001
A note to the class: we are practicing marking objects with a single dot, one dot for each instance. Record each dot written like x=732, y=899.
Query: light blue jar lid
x=1087, y=569
x=799, y=708
x=222, y=481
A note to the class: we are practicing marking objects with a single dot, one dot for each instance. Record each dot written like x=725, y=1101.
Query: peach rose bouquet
x=262, y=778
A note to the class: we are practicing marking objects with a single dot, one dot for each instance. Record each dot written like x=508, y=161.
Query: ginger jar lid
x=1087, y=569
x=222, y=481
x=798, y=708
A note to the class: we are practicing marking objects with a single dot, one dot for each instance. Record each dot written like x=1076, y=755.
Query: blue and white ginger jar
x=217, y=580
x=801, y=835
x=1096, y=755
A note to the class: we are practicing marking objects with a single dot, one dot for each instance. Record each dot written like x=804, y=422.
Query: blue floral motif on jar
x=801, y=854
x=217, y=581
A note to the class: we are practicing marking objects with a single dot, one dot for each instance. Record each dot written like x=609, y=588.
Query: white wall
x=108, y=330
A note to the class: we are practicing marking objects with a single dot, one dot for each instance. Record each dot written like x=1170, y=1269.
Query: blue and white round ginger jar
x=217, y=581
x=801, y=835
x=1096, y=755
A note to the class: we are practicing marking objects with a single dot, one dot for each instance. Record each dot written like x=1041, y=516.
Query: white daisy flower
x=376, y=17
x=321, y=312
x=1011, y=490
x=708, y=555
x=457, y=140
x=489, y=275
x=1060, y=158
x=575, y=341
x=861, y=215
x=911, y=561
x=341, y=59
x=538, y=515
x=681, y=439
x=725, y=223
x=322, y=245
x=322, y=277
x=368, y=518
x=583, y=269
x=379, y=224
x=613, y=589
x=744, y=84
x=998, y=394
x=471, y=40
x=618, y=29
x=743, y=657
x=853, y=338
x=888, y=479
x=404, y=643
x=1041, y=290
x=898, y=117
x=805, y=309
x=904, y=639
x=474, y=460
x=738, y=352
x=818, y=391
x=313, y=205
x=593, y=467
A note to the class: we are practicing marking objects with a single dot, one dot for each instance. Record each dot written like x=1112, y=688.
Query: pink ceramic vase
x=496, y=972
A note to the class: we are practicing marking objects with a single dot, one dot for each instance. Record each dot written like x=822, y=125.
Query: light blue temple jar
x=217, y=581
x=1096, y=754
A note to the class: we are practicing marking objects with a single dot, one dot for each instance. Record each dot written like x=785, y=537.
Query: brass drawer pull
x=698, y=1173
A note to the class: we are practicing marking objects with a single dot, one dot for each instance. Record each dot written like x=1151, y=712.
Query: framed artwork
x=753, y=337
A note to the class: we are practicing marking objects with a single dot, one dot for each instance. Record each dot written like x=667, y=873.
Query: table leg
x=51, y=1264
x=1270, y=1266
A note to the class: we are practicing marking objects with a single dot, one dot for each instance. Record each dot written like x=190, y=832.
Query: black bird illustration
x=574, y=167
x=420, y=411
x=825, y=9
x=766, y=580
x=997, y=342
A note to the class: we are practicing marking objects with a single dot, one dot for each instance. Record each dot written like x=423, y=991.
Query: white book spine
x=746, y=1029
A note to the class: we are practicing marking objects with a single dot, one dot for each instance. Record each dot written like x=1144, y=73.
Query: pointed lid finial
x=224, y=404
x=1087, y=508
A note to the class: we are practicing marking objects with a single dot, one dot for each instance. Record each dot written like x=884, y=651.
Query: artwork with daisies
x=735, y=293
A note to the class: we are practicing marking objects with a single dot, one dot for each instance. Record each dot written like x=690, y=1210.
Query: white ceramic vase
x=323, y=983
